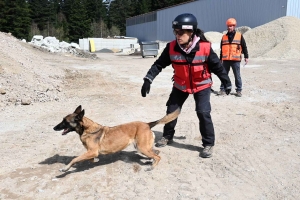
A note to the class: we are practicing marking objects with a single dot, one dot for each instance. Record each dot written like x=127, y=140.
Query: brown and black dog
x=98, y=139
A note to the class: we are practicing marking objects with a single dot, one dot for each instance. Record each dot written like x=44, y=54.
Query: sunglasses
x=179, y=32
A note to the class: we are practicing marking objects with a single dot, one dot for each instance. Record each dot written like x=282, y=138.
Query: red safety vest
x=192, y=77
x=233, y=50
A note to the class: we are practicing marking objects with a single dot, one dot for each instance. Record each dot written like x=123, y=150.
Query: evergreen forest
x=70, y=20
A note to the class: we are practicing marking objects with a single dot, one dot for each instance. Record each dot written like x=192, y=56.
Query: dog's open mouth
x=65, y=131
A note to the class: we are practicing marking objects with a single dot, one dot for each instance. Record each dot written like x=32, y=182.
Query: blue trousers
x=203, y=108
x=236, y=71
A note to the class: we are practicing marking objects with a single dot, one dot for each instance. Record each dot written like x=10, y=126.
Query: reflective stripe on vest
x=180, y=87
x=181, y=58
x=204, y=82
x=233, y=50
x=191, y=77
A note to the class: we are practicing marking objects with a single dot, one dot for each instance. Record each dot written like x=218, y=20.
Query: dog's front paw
x=63, y=170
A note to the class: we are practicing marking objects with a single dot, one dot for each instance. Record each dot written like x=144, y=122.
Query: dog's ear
x=78, y=110
x=80, y=116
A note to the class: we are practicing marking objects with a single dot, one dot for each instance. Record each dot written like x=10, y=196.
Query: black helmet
x=185, y=21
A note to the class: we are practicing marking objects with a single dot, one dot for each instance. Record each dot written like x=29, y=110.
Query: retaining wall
x=107, y=43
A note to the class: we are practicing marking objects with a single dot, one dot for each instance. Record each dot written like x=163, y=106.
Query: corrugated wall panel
x=212, y=15
x=144, y=32
x=293, y=8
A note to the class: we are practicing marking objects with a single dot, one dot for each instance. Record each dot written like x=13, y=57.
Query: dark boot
x=207, y=152
x=163, y=142
x=168, y=134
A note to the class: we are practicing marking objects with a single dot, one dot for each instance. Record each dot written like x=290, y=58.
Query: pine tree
x=96, y=10
x=2, y=15
x=60, y=24
x=140, y=7
x=17, y=16
x=42, y=13
x=97, y=15
x=78, y=21
x=118, y=12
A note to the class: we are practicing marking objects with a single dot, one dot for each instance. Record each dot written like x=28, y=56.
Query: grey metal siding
x=293, y=8
x=144, y=32
x=212, y=15
x=165, y=18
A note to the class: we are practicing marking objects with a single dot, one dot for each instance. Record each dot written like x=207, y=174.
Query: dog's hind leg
x=151, y=154
x=86, y=156
x=156, y=151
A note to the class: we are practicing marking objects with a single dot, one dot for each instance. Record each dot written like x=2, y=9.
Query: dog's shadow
x=125, y=156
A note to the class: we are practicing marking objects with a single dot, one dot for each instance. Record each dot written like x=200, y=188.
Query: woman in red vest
x=193, y=61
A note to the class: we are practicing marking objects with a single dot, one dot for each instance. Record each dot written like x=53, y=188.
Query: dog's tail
x=166, y=119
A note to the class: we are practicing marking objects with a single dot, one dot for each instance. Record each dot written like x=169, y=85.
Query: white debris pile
x=53, y=45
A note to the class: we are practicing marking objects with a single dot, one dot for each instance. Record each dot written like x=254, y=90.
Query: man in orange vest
x=193, y=61
x=233, y=45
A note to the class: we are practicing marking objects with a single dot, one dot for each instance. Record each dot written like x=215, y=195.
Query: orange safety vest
x=191, y=77
x=233, y=50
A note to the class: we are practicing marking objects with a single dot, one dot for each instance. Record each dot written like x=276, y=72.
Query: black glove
x=145, y=88
x=227, y=91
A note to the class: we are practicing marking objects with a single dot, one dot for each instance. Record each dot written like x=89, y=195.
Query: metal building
x=211, y=15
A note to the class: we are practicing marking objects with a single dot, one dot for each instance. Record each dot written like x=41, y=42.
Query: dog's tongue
x=65, y=131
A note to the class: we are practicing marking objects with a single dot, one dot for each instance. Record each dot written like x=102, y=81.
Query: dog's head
x=71, y=122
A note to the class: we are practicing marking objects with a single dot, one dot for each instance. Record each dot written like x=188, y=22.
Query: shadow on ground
x=176, y=144
x=125, y=156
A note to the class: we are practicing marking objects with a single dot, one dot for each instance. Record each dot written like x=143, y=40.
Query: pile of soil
x=24, y=76
x=276, y=39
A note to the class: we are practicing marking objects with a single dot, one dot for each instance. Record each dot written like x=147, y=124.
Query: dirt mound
x=105, y=50
x=24, y=75
x=276, y=39
x=213, y=37
x=242, y=29
x=216, y=37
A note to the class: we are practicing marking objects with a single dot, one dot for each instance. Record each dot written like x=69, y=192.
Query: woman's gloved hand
x=145, y=88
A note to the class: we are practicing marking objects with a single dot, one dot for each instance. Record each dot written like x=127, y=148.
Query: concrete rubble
x=53, y=45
